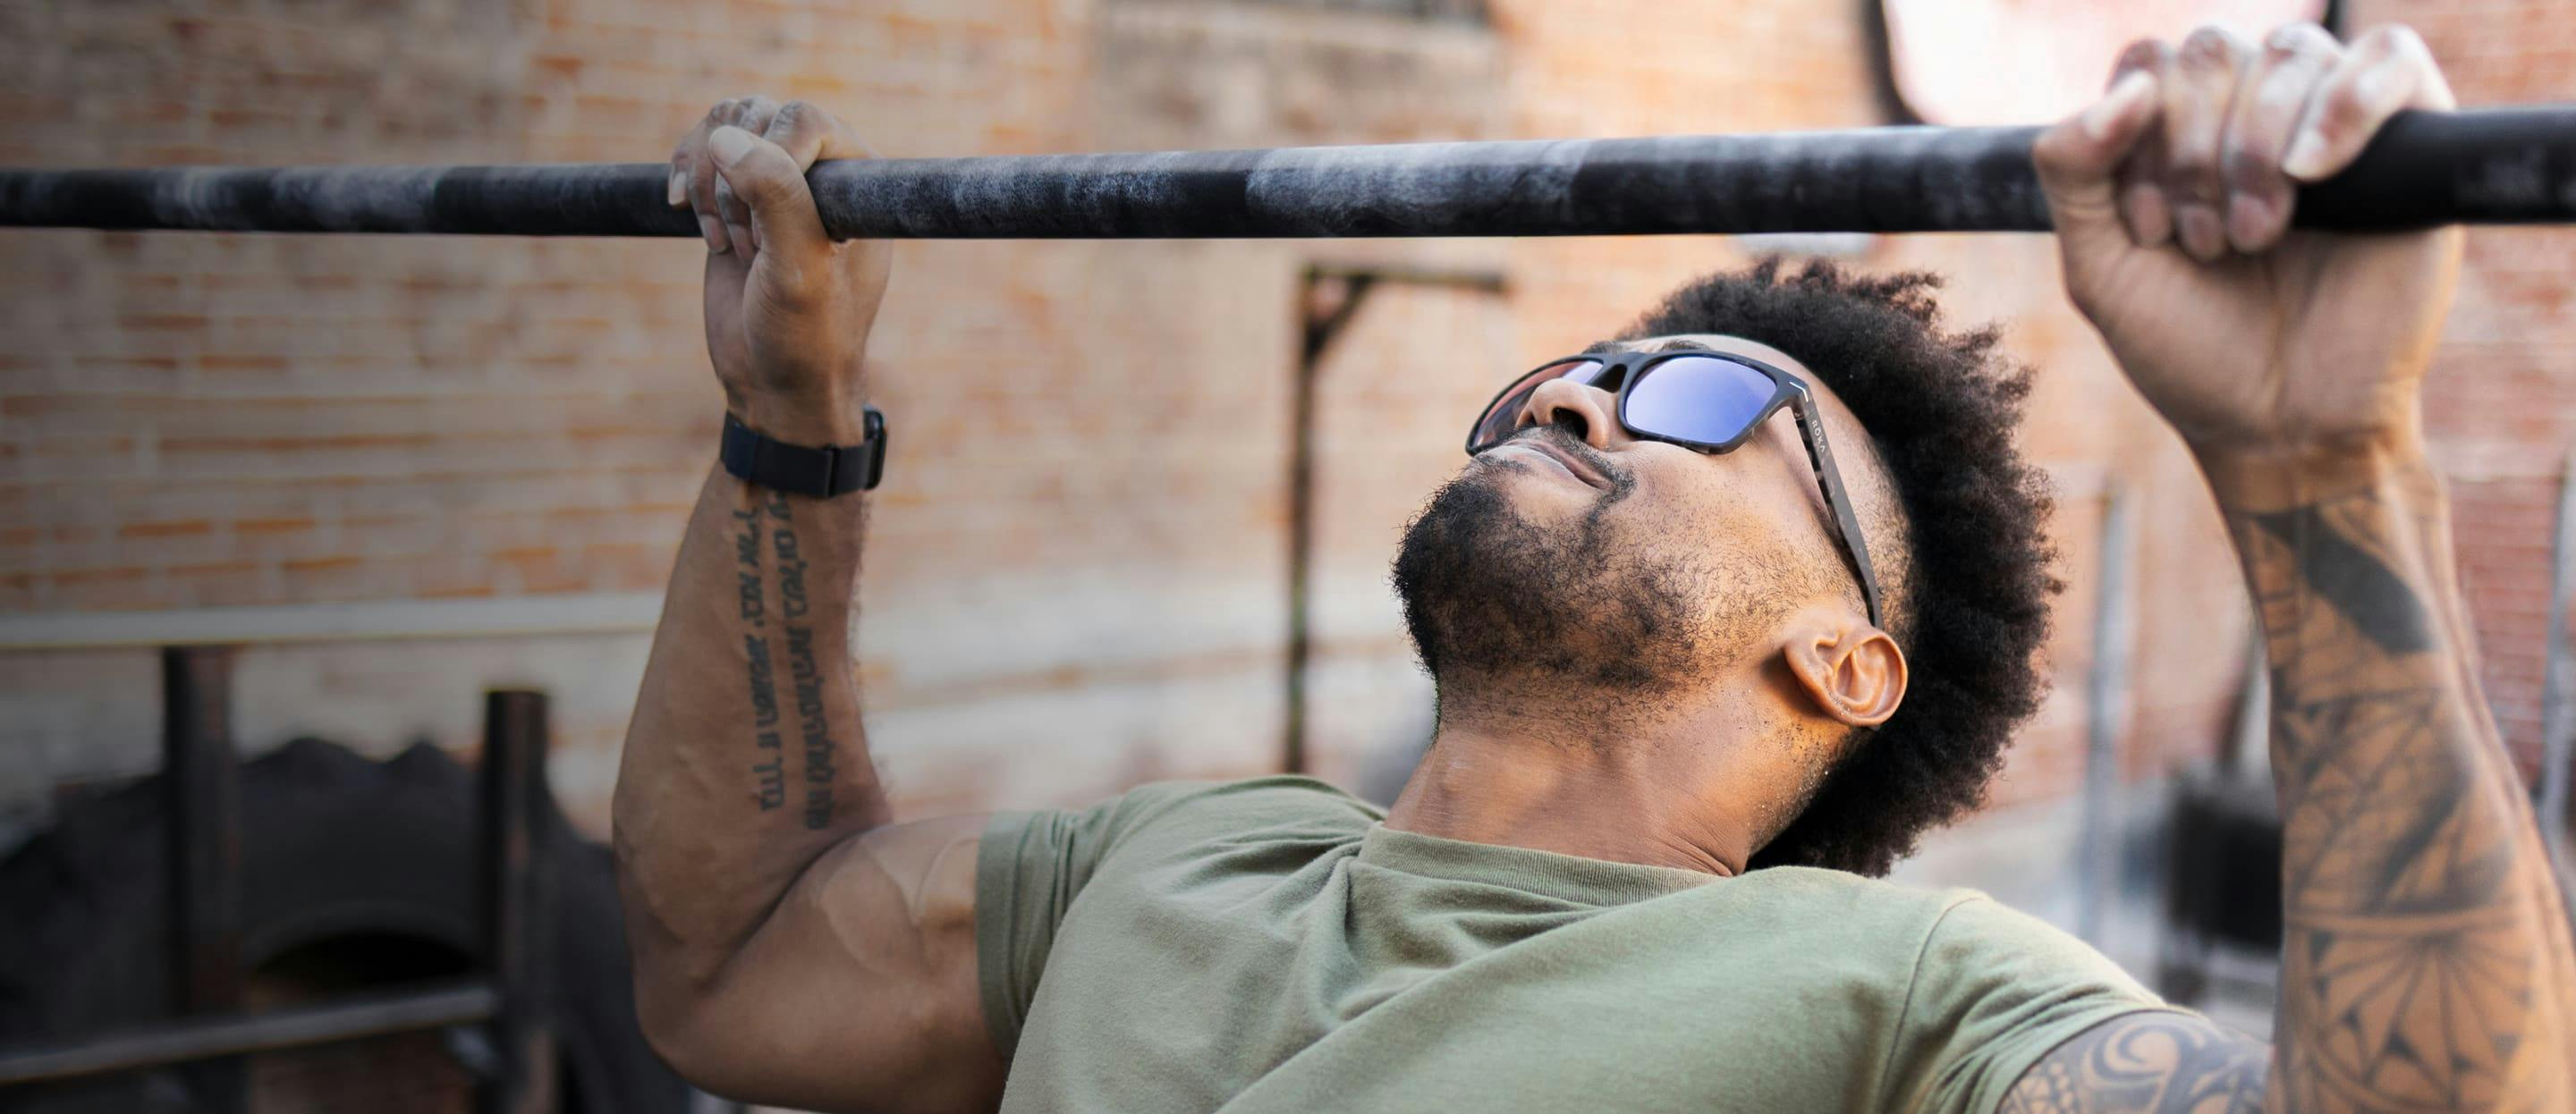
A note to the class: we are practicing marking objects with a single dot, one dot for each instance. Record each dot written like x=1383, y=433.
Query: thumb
x=2079, y=161
x=766, y=179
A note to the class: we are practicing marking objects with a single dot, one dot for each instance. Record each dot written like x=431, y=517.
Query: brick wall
x=2502, y=407
x=1077, y=573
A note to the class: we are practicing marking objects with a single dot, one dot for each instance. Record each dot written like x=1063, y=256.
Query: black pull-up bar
x=2487, y=166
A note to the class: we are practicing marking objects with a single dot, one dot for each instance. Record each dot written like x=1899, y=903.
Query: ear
x=1851, y=671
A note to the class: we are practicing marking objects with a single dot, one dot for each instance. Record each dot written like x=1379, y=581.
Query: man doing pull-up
x=1722, y=614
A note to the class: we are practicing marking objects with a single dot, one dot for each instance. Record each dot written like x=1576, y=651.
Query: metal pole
x=202, y=794
x=2557, y=734
x=237, y=1034
x=2106, y=700
x=1318, y=328
x=513, y=803
x=2497, y=165
x=1318, y=325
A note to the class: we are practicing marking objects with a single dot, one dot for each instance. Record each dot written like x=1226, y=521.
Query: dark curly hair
x=1970, y=597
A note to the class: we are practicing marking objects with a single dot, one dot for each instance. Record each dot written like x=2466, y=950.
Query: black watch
x=821, y=472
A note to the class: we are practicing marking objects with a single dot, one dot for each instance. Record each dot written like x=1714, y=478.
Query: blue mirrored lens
x=1505, y=416
x=1699, y=398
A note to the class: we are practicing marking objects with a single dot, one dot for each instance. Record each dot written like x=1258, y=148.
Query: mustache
x=1556, y=435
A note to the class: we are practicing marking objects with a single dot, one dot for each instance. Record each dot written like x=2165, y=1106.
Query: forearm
x=2426, y=961
x=745, y=760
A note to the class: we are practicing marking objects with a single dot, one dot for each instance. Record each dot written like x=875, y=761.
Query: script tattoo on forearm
x=2140, y=1062
x=2425, y=959
x=769, y=769
x=804, y=670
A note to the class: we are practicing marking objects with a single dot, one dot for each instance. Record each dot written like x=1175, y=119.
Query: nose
x=1585, y=410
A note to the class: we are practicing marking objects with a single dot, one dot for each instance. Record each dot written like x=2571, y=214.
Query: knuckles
x=2294, y=39
x=2212, y=46
x=758, y=115
x=794, y=116
x=2143, y=54
x=2388, y=39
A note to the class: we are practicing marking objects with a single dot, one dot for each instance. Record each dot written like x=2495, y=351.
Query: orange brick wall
x=2502, y=408
x=1076, y=578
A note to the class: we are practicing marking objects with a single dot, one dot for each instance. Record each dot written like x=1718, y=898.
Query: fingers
x=2266, y=113
x=2200, y=93
x=761, y=176
x=2079, y=159
x=2237, y=128
x=2144, y=208
x=694, y=179
x=754, y=118
x=684, y=168
x=808, y=134
x=2385, y=70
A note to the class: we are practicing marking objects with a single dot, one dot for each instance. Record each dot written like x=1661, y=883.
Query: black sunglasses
x=1710, y=402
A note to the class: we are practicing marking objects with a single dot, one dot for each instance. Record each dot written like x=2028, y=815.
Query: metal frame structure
x=1329, y=296
x=507, y=1000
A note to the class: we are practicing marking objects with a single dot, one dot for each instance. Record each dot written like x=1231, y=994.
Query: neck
x=1670, y=794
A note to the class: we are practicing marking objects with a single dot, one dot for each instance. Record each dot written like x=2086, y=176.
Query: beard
x=1503, y=609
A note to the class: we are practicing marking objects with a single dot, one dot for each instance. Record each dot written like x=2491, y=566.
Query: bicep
x=860, y=989
x=2152, y=1060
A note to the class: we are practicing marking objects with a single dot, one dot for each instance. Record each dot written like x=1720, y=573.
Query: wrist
x=808, y=420
x=2257, y=479
x=2273, y=472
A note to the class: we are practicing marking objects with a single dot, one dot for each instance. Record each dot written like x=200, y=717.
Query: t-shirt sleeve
x=1993, y=991
x=1032, y=865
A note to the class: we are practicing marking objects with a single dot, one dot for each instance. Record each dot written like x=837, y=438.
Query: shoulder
x=1277, y=800
x=1994, y=989
x=2015, y=947
x=1835, y=900
x=1161, y=818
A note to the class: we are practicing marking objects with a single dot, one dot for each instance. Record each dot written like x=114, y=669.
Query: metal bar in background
x=512, y=807
x=1318, y=325
x=1316, y=331
x=241, y=1034
x=2106, y=704
x=202, y=791
x=2482, y=166
x=2558, y=675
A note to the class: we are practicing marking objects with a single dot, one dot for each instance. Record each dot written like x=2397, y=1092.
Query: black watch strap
x=821, y=472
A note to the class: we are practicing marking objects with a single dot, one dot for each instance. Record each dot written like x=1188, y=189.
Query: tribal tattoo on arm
x=2426, y=961
x=2148, y=1061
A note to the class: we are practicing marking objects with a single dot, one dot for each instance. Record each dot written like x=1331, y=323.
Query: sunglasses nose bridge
x=1577, y=397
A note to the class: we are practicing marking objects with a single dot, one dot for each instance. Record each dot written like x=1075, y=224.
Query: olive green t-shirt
x=1269, y=946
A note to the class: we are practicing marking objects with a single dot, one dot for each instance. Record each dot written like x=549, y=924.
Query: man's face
x=1576, y=557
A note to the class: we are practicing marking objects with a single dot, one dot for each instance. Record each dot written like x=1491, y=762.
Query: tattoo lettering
x=746, y=545
x=791, y=573
x=804, y=672
x=771, y=770
x=2141, y=1062
x=807, y=677
x=764, y=692
x=769, y=773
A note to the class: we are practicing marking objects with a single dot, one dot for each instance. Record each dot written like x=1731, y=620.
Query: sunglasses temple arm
x=1811, y=428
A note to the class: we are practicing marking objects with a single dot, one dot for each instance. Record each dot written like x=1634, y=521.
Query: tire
x=354, y=873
